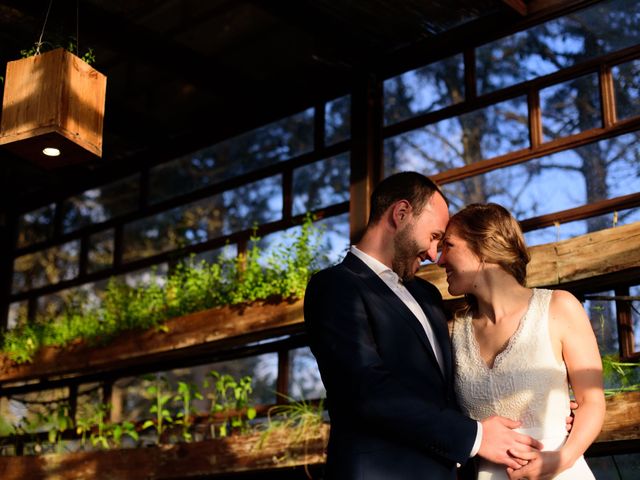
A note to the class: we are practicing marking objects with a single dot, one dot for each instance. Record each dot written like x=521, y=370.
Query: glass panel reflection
x=456, y=142
x=570, y=107
x=250, y=151
x=321, y=184
x=337, y=118
x=222, y=214
x=568, y=179
x=605, y=27
x=36, y=226
x=100, y=255
x=101, y=204
x=423, y=90
x=304, y=378
x=626, y=81
x=46, y=267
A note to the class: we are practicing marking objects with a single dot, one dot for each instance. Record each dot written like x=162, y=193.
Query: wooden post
x=366, y=150
x=8, y=235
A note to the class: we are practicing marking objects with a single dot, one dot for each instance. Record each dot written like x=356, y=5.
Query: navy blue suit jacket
x=393, y=412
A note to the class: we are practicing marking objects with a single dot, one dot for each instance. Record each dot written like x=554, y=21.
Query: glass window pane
x=423, y=90
x=337, y=120
x=570, y=107
x=455, y=142
x=17, y=314
x=250, y=151
x=36, y=226
x=602, y=314
x=602, y=28
x=213, y=256
x=321, y=184
x=231, y=211
x=101, y=204
x=52, y=306
x=45, y=267
x=626, y=81
x=568, y=179
x=132, y=401
x=335, y=243
x=635, y=315
x=304, y=377
x=100, y=253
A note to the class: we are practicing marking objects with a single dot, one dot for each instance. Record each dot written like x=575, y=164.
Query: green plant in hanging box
x=158, y=392
x=301, y=420
x=89, y=56
x=187, y=392
x=620, y=376
x=230, y=400
x=281, y=274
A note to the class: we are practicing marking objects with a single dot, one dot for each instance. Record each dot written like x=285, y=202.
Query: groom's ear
x=400, y=213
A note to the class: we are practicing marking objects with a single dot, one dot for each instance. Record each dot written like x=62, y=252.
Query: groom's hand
x=499, y=437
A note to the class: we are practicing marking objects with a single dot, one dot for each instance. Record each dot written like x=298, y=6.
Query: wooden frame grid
x=366, y=149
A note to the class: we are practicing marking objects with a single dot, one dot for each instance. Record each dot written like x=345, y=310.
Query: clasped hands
x=521, y=454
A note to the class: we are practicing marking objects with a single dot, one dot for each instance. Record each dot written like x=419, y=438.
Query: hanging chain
x=39, y=42
x=77, y=28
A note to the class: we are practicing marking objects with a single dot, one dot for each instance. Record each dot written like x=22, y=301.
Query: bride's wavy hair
x=494, y=236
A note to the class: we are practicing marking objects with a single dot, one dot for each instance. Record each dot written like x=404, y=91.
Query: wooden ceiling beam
x=136, y=43
x=517, y=5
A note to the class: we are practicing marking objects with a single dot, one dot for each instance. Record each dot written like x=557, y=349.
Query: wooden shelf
x=193, y=335
x=172, y=462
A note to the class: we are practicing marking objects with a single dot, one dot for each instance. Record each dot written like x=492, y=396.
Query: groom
x=381, y=342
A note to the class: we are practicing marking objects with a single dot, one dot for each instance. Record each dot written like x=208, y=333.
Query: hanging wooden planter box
x=622, y=421
x=53, y=100
x=192, y=334
x=173, y=462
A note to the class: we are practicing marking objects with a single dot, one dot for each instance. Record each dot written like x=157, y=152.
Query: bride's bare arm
x=575, y=343
x=584, y=365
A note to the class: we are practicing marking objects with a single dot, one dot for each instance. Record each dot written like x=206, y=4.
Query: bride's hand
x=545, y=466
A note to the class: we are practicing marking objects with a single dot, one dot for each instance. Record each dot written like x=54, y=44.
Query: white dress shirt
x=393, y=281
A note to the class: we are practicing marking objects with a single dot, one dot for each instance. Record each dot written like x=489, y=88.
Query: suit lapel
x=379, y=288
x=438, y=323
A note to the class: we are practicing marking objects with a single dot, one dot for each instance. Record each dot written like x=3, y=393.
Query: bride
x=516, y=348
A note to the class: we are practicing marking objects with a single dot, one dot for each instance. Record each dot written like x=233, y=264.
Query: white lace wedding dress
x=526, y=383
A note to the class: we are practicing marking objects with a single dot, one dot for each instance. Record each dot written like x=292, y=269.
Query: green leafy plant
x=302, y=419
x=231, y=400
x=281, y=274
x=99, y=435
x=158, y=391
x=187, y=392
x=89, y=56
x=620, y=376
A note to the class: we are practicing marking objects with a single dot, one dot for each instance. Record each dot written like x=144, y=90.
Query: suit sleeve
x=336, y=319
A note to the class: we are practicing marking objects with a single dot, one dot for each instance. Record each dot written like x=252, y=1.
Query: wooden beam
x=517, y=5
x=366, y=150
x=614, y=251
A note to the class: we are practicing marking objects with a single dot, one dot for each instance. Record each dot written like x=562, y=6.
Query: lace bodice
x=526, y=382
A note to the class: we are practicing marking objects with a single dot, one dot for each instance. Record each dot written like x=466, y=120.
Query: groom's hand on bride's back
x=499, y=439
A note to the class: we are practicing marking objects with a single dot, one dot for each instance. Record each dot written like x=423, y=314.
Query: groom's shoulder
x=428, y=287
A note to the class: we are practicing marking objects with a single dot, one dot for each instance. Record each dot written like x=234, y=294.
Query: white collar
x=374, y=264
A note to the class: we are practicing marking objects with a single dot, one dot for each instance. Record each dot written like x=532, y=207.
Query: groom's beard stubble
x=406, y=253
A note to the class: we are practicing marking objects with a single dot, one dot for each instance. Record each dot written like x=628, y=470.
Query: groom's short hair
x=413, y=187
